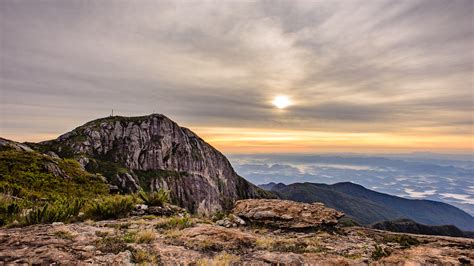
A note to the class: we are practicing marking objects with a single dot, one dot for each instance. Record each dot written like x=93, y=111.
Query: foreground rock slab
x=286, y=214
x=138, y=241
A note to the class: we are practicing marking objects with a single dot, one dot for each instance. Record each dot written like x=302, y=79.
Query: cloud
x=419, y=194
x=350, y=66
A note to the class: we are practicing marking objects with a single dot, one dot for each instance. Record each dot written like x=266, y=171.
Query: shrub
x=112, y=207
x=145, y=236
x=111, y=245
x=379, y=253
x=57, y=211
x=289, y=245
x=143, y=256
x=404, y=240
x=158, y=198
x=9, y=210
x=64, y=235
x=175, y=223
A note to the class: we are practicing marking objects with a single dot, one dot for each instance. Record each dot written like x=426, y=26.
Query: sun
x=281, y=102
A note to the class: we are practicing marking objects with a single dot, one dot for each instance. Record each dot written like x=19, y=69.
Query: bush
x=9, y=210
x=146, y=236
x=112, y=207
x=404, y=240
x=146, y=257
x=111, y=244
x=158, y=198
x=379, y=253
x=58, y=211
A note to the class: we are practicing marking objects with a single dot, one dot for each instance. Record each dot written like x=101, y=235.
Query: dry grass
x=296, y=245
x=146, y=236
x=144, y=257
x=175, y=223
x=223, y=258
x=64, y=234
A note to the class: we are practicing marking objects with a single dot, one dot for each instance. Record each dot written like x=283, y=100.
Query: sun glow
x=281, y=102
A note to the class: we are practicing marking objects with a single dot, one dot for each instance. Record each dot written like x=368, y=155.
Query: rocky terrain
x=200, y=241
x=132, y=190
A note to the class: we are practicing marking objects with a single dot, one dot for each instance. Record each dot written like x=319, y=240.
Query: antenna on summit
x=112, y=114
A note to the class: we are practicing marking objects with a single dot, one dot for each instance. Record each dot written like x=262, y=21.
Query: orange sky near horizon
x=259, y=140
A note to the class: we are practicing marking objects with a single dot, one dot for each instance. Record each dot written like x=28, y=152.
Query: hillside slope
x=409, y=226
x=367, y=206
x=152, y=152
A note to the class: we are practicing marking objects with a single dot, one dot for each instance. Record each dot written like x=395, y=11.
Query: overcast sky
x=362, y=75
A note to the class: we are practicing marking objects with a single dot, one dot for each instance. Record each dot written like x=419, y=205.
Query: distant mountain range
x=367, y=206
x=410, y=226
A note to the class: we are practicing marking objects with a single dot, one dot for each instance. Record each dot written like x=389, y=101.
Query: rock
x=57, y=223
x=237, y=219
x=231, y=221
x=464, y=261
x=154, y=151
x=286, y=214
x=167, y=210
x=208, y=237
x=278, y=258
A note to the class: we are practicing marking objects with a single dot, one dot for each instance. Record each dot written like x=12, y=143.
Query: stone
x=216, y=238
x=167, y=210
x=286, y=214
x=278, y=258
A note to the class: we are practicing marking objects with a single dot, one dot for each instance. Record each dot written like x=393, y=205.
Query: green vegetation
x=26, y=175
x=58, y=211
x=404, y=240
x=106, y=168
x=9, y=209
x=146, y=236
x=175, y=223
x=380, y=252
x=146, y=257
x=111, y=207
x=111, y=244
x=295, y=245
x=158, y=198
x=64, y=235
x=37, y=188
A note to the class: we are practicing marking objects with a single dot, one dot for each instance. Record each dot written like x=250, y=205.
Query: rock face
x=286, y=214
x=153, y=152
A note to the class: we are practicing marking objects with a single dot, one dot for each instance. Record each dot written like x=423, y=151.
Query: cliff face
x=153, y=152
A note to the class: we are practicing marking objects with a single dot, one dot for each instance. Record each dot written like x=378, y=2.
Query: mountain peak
x=151, y=152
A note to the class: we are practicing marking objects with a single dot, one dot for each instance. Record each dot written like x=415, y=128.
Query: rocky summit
x=153, y=152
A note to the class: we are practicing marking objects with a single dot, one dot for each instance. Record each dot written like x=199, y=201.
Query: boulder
x=215, y=238
x=286, y=214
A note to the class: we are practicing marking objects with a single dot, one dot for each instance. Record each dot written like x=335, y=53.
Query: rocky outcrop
x=215, y=238
x=117, y=242
x=286, y=214
x=153, y=152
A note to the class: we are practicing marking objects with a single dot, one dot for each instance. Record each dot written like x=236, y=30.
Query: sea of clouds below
x=446, y=178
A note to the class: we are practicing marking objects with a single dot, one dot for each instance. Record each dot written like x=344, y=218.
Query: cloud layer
x=379, y=67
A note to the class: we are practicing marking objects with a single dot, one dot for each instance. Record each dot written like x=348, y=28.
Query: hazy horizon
x=248, y=77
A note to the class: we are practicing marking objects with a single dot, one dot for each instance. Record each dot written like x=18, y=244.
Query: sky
x=360, y=76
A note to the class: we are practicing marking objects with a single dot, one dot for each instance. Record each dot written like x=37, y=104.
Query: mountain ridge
x=367, y=206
